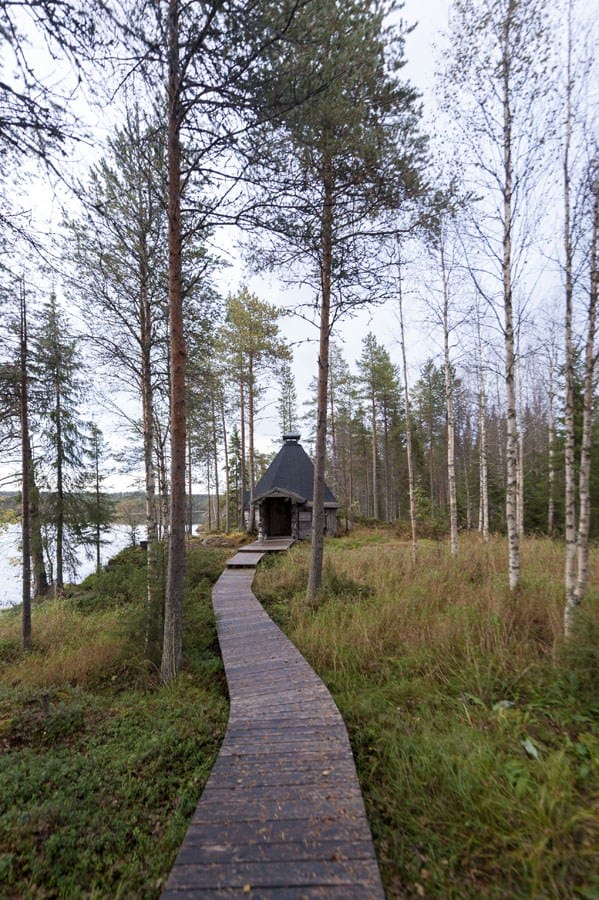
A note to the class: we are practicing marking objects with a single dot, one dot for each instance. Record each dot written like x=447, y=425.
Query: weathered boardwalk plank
x=282, y=815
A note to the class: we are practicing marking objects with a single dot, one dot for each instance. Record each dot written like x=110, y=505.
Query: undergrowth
x=473, y=724
x=100, y=766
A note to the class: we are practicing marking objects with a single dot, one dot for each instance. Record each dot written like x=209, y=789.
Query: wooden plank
x=275, y=874
x=282, y=814
x=250, y=560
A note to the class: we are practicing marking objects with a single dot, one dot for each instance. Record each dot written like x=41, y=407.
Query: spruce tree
x=64, y=442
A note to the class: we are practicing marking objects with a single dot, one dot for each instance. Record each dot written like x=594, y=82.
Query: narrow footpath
x=282, y=814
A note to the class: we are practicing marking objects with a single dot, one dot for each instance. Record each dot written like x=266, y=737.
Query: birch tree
x=496, y=78
x=590, y=364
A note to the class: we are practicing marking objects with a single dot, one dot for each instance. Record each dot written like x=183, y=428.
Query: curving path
x=282, y=814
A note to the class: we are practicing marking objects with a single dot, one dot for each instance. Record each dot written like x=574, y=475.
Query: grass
x=100, y=767
x=473, y=725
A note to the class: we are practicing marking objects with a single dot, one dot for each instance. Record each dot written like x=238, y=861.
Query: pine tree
x=347, y=151
x=254, y=348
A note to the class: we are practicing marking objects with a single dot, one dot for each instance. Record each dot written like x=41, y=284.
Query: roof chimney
x=291, y=438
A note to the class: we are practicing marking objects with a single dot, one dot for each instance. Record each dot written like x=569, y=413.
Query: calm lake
x=118, y=537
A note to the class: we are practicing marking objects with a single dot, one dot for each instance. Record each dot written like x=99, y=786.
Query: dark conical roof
x=291, y=472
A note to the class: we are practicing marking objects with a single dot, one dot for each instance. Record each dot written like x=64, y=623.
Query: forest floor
x=474, y=727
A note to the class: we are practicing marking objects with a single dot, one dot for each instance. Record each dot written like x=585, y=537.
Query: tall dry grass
x=442, y=615
x=69, y=647
x=472, y=722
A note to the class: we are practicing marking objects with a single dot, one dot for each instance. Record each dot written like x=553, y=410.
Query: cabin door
x=279, y=517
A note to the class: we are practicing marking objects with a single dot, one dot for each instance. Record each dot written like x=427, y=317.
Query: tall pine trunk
x=318, y=513
x=173, y=625
x=242, y=476
x=251, y=402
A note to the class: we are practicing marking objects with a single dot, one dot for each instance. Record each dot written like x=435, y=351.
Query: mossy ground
x=100, y=766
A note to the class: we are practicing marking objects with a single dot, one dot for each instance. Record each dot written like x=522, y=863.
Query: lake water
x=116, y=538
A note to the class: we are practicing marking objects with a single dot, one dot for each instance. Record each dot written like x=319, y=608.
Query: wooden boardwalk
x=282, y=814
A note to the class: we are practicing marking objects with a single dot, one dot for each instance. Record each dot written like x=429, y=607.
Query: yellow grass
x=69, y=647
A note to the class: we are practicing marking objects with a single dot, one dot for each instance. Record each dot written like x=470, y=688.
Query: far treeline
x=291, y=122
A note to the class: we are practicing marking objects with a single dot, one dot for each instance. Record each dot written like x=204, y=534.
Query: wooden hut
x=283, y=498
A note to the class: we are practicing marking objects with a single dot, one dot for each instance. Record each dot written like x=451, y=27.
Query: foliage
x=472, y=724
x=101, y=769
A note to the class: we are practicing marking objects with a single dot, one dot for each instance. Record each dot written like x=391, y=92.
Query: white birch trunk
x=511, y=450
x=520, y=475
x=584, y=524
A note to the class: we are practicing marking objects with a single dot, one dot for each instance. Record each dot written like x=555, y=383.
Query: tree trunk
x=59, y=497
x=25, y=474
x=242, y=453
x=520, y=506
x=215, y=454
x=189, y=523
x=483, y=524
x=155, y=557
x=173, y=625
x=411, y=485
x=451, y=479
x=318, y=513
x=333, y=430
x=375, y=474
x=40, y=577
x=511, y=424
x=551, y=444
x=227, y=474
x=251, y=401
x=584, y=523
x=569, y=450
